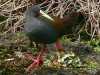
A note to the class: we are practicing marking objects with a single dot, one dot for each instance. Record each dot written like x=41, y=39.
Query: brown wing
x=63, y=26
x=66, y=24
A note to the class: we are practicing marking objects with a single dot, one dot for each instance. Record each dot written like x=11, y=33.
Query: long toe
x=30, y=66
x=30, y=57
x=55, y=59
x=36, y=63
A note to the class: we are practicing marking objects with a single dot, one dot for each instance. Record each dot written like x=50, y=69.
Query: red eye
x=35, y=9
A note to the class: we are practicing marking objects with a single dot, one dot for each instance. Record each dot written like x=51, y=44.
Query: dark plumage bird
x=46, y=29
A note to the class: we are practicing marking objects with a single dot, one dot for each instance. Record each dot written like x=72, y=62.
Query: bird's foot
x=54, y=62
x=36, y=62
x=55, y=59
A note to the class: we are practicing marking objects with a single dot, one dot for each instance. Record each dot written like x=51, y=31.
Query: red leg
x=38, y=60
x=58, y=46
x=57, y=50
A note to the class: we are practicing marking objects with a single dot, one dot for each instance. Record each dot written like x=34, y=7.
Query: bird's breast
x=41, y=32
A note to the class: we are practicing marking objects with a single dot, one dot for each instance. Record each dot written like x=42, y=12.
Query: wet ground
x=75, y=58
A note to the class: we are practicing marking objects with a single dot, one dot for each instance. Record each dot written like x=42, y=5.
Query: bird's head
x=36, y=12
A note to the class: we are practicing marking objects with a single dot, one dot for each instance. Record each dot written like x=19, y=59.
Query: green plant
x=70, y=60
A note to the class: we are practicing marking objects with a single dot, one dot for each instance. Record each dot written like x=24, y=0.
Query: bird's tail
x=73, y=18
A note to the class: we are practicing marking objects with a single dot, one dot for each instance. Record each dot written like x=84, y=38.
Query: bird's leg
x=38, y=60
x=58, y=46
x=57, y=50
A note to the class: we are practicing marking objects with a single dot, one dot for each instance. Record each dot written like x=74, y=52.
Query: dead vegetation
x=13, y=13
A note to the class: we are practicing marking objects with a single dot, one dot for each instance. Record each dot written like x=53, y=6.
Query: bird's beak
x=45, y=15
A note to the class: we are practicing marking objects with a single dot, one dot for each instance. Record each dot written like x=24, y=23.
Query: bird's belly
x=43, y=35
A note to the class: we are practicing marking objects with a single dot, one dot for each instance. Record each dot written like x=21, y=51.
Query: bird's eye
x=35, y=9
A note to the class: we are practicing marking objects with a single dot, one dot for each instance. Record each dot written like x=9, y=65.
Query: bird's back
x=65, y=25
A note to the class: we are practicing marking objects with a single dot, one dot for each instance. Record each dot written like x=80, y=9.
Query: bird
x=47, y=29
